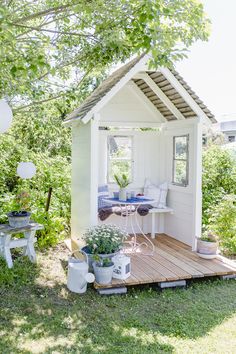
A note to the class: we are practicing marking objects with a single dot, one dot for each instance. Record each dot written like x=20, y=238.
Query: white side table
x=27, y=243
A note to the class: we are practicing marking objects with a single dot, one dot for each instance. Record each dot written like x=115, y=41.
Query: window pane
x=180, y=172
x=180, y=145
x=119, y=167
x=120, y=147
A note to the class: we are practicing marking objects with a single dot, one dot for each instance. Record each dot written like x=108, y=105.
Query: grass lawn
x=39, y=315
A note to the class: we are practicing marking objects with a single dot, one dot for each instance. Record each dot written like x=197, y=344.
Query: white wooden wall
x=153, y=158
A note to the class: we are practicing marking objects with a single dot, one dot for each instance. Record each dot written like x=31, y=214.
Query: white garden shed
x=131, y=99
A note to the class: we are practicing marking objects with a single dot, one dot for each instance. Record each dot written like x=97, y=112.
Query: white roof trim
x=137, y=67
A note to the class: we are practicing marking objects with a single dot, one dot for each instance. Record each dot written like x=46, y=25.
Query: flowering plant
x=23, y=201
x=104, y=239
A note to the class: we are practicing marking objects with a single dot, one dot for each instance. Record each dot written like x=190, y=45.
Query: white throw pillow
x=158, y=193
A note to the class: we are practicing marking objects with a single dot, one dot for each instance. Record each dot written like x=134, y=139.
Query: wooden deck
x=172, y=261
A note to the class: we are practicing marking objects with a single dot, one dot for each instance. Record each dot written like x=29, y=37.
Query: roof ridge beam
x=156, y=89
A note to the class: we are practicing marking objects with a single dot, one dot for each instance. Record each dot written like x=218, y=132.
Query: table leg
x=6, y=250
x=29, y=248
x=149, y=244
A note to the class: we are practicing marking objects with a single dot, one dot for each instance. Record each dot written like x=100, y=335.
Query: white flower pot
x=123, y=194
x=103, y=275
x=206, y=247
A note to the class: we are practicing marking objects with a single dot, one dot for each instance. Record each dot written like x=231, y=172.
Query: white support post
x=84, y=177
x=197, y=182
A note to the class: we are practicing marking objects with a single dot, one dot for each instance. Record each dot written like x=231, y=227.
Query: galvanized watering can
x=78, y=274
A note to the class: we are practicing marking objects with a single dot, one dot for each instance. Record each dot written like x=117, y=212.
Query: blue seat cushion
x=103, y=192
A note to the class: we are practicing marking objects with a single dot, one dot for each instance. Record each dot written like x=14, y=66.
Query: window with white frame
x=231, y=138
x=180, y=175
x=120, y=157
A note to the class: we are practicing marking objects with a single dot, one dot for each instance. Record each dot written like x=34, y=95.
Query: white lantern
x=26, y=170
x=122, y=267
x=5, y=116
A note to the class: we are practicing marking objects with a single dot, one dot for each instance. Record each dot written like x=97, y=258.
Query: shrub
x=218, y=179
x=223, y=223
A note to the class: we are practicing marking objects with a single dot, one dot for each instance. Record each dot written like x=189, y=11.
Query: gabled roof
x=165, y=89
x=103, y=89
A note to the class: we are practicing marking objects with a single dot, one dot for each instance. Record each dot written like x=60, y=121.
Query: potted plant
x=21, y=216
x=123, y=182
x=103, y=269
x=104, y=241
x=207, y=245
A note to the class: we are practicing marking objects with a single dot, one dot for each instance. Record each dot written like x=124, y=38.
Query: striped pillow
x=102, y=193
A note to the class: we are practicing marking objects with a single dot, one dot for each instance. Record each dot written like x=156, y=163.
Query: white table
x=27, y=243
x=129, y=210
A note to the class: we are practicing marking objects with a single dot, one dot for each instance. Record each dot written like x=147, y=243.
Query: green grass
x=39, y=315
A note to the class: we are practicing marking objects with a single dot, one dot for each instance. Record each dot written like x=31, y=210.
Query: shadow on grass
x=43, y=319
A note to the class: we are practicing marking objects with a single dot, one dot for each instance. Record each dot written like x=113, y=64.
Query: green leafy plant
x=102, y=262
x=23, y=201
x=208, y=236
x=218, y=179
x=223, y=223
x=104, y=239
x=122, y=180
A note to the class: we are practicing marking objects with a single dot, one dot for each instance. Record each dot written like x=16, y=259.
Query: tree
x=49, y=47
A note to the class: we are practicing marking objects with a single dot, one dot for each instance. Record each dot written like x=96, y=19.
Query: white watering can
x=78, y=275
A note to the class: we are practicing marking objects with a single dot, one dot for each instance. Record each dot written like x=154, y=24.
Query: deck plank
x=143, y=272
x=187, y=256
x=172, y=261
x=216, y=267
x=160, y=272
x=168, y=254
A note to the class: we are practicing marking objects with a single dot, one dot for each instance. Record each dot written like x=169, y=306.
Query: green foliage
x=52, y=171
x=20, y=275
x=104, y=239
x=122, y=181
x=49, y=47
x=218, y=180
x=223, y=223
x=102, y=262
x=53, y=53
x=209, y=237
x=219, y=189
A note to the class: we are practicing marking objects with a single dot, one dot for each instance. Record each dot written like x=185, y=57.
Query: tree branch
x=53, y=31
x=48, y=99
x=53, y=10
